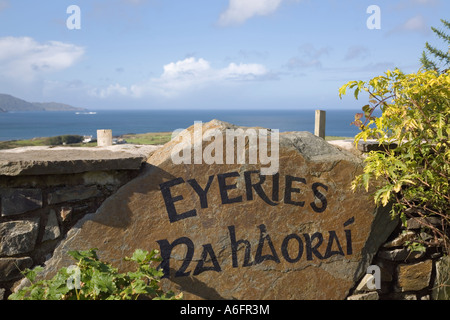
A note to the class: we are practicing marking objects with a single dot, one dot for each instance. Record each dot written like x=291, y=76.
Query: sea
x=28, y=125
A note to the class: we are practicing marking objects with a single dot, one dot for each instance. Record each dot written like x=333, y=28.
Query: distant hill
x=54, y=106
x=9, y=103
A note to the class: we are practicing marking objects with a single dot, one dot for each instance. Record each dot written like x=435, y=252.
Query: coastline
x=25, y=126
x=149, y=138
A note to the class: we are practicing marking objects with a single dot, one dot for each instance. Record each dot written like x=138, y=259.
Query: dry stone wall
x=406, y=274
x=44, y=192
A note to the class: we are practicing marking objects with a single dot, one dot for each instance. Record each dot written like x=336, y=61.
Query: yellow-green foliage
x=416, y=117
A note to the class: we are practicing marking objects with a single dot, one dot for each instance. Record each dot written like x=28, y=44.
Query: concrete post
x=104, y=138
x=319, y=129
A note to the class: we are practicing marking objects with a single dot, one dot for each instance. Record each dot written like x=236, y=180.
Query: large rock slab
x=10, y=267
x=67, y=160
x=73, y=194
x=18, y=201
x=441, y=287
x=226, y=231
x=414, y=277
x=18, y=237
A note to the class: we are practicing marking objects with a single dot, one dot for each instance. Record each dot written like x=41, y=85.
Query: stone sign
x=227, y=231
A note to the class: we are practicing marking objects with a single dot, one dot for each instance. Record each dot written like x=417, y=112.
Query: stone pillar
x=104, y=137
x=320, y=121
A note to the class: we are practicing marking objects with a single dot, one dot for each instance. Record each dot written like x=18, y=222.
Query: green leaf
x=356, y=93
x=103, y=282
x=31, y=274
x=83, y=255
x=140, y=256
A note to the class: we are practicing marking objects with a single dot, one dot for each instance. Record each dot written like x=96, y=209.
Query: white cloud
x=243, y=71
x=188, y=68
x=414, y=24
x=186, y=75
x=239, y=11
x=24, y=59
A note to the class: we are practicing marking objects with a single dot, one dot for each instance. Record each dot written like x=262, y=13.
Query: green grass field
x=23, y=143
x=148, y=138
x=152, y=138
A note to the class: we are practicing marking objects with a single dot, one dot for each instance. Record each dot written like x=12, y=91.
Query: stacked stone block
x=37, y=210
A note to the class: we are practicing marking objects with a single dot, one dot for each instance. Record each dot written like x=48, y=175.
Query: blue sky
x=161, y=54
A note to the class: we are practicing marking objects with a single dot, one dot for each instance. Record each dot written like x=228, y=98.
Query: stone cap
x=67, y=160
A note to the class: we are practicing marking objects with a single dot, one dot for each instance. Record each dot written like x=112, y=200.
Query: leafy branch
x=415, y=117
x=93, y=279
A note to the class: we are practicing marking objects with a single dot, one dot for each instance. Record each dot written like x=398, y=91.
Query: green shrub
x=65, y=139
x=55, y=141
x=69, y=139
x=92, y=279
x=414, y=176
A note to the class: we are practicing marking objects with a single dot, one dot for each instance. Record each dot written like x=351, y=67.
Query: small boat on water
x=90, y=112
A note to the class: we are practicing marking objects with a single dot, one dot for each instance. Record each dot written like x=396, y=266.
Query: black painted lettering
x=289, y=190
x=310, y=250
x=235, y=247
x=263, y=236
x=202, y=193
x=276, y=187
x=333, y=239
x=169, y=200
x=348, y=238
x=166, y=251
x=284, y=248
x=319, y=196
x=348, y=235
x=223, y=187
x=207, y=251
x=349, y=221
x=257, y=186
